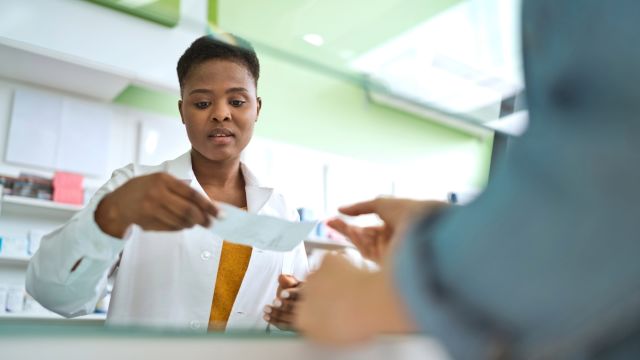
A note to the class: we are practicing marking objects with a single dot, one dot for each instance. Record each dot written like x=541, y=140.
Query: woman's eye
x=236, y=103
x=202, y=104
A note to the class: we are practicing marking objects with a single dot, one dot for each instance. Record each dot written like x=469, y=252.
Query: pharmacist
x=146, y=227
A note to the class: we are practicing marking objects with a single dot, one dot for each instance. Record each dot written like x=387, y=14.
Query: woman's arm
x=68, y=273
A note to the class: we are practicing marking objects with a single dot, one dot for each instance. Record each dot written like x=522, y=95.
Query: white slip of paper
x=261, y=231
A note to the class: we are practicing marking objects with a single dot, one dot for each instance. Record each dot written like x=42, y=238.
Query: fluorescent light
x=313, y=39
x=135, y=3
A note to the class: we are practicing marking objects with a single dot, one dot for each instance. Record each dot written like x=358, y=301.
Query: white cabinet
x=85, y=48
x=59, y=133
x=18, y=217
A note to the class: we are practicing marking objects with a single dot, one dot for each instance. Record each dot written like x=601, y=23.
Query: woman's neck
x=224, y=174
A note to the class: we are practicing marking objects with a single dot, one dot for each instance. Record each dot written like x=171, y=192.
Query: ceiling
x=457, y=57
x=348, y=28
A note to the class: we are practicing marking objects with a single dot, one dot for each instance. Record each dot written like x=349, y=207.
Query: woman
x=147, y=225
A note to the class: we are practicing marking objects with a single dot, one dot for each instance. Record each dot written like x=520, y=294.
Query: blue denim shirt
x=546, y=263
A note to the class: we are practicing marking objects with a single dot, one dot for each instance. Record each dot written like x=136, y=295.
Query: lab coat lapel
x=257, y=195
x=182, y=169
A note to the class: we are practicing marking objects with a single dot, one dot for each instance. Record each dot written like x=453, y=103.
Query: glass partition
x=361, y=98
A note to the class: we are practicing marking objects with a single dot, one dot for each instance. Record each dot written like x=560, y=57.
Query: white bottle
x=4, y=292
x=15, y=300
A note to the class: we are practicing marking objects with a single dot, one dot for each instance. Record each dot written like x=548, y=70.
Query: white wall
x=80, y=32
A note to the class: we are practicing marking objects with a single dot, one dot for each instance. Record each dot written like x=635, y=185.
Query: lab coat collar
x=257, y=194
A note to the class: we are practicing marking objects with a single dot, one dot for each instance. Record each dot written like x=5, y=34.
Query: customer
x=545, y=263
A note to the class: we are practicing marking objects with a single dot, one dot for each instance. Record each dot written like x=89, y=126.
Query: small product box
x=67, y=188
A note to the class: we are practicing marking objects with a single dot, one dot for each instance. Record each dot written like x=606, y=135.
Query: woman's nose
x=220, y=113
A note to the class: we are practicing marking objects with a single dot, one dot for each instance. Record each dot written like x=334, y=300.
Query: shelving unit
x=48, y=316
x=16, y=213
x=48, y=204
x=36, y=207
x=327, y=244
x=15, y=260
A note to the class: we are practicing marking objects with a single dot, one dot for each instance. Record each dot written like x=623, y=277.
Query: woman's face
x=219, y=108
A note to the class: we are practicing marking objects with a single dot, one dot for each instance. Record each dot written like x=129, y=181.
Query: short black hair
x=208, y=47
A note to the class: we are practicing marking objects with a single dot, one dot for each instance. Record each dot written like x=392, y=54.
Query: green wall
x=304, y=107
x=154, y=101
x=165, y=12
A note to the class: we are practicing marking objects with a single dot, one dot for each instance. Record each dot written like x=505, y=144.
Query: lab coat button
x=205, y=255
x=194, y=324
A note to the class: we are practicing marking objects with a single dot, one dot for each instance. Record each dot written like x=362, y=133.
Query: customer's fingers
x=338, y=225
x=361, y=208
x=354, y=233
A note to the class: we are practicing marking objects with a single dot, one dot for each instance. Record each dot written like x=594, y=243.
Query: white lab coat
x=163, y=278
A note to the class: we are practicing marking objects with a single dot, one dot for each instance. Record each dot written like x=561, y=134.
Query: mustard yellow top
x=234, y=261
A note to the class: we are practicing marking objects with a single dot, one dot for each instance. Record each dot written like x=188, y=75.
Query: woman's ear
x=259, y=107
x=180, y=110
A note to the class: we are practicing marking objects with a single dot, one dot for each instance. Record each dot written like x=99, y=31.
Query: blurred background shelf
x=36, y=207
x=14, y=260
x=97, y=317
x=327, y=244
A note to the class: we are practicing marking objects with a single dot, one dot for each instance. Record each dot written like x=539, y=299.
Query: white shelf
x=60, y=71
x=15, y=260
x=38, y=207
x=327, y=244
x=51, y=316
x=93, y=69
x=48, y=204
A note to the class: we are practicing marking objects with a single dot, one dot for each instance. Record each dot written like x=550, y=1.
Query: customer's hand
x=282, y=312
x=342, y=304
x=157, y=202
x=374, y=242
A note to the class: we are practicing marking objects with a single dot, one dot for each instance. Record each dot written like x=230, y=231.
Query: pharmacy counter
x=70, y=342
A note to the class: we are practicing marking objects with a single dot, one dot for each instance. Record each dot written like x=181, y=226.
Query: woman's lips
x=221, y=139
x=221, y=136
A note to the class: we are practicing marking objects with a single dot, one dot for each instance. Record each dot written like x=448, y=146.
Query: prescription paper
x=260, y=231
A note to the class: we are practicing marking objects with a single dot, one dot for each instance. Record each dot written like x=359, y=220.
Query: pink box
x=67, y=188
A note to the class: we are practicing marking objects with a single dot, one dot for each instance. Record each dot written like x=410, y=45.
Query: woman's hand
x=342, y=304
x=374, y=242
x=158, y=202
x=281, y=314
